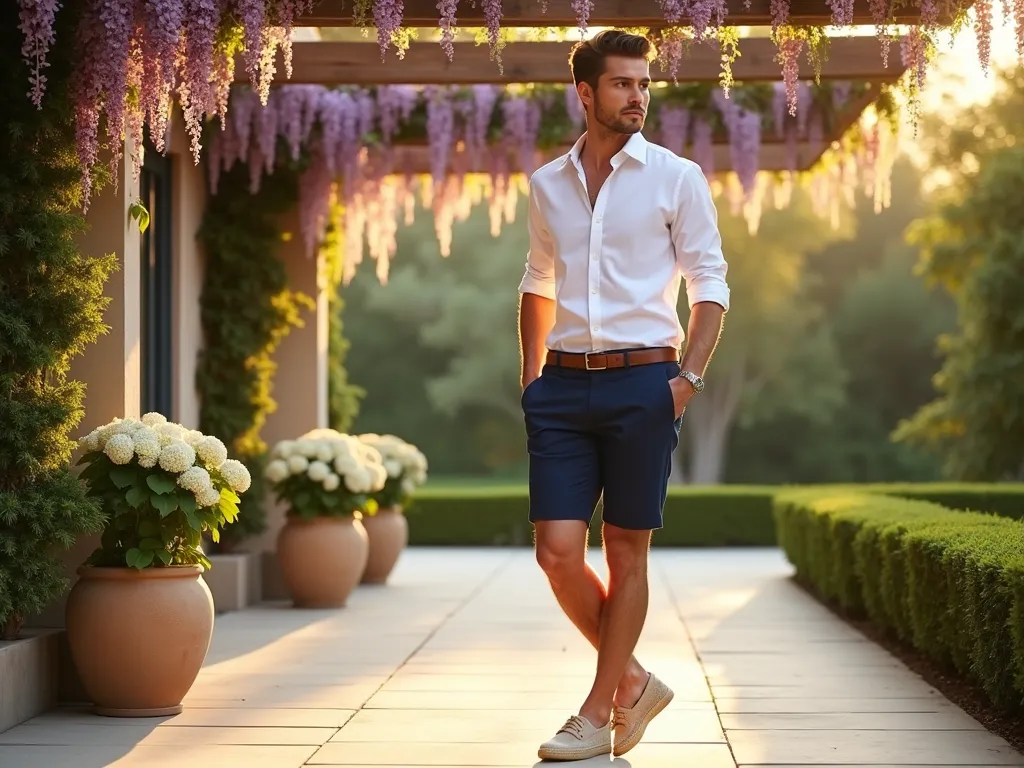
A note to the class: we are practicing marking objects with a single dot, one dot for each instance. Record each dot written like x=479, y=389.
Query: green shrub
x=51, y=309
x=247, y=310
x=694, y=517
x=950, y=583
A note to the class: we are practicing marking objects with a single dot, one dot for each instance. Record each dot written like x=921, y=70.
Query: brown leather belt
x=599, y=361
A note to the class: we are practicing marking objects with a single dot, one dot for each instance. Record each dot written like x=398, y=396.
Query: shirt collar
x=635, y=147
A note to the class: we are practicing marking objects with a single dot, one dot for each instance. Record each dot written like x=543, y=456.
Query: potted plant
x=326, y=478
x=387, y=528
x=140, y=617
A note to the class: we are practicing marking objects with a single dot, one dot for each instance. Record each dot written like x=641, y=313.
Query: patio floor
x=464, y=659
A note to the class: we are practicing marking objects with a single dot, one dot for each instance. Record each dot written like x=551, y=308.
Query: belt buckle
x=586, y=362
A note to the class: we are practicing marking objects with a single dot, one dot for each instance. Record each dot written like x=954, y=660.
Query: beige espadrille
x=631, y=723
x=578, y=739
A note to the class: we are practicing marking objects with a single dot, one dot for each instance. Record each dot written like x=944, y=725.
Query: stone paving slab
x=464, y=659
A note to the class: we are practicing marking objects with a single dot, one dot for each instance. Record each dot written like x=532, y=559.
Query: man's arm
x=537, y=300
x=536, y=318
x=702, y=335
x=699, y=254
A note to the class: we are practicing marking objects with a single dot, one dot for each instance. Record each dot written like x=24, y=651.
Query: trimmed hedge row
x=949, y=583
x=712, y=516
x=487, y=516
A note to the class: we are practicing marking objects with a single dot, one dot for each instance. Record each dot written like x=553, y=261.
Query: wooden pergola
x=849, y=58
x=607, y=13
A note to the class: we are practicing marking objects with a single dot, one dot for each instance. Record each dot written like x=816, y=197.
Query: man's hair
x=587, y=59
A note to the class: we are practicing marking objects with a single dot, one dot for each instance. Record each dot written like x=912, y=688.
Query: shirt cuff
x=532, y=284
x=708, y=289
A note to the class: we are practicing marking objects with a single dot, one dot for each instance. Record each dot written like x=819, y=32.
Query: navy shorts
x=591, y=432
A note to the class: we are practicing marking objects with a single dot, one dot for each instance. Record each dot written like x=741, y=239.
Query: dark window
x=155, y=188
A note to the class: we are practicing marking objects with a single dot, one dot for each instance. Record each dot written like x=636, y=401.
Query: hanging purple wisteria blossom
x=35, y=19
x=195, y=92
x=440, y=129
x=159, y=28
x=842, y=12
x=447, y=22
x=485, y=97
x=674, y=128
x=387, y=17
x=395, y=104
x=707, y=14
x=703, y=149
x=492, y=17
x=583, y=9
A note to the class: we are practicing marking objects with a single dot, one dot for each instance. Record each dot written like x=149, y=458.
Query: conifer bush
x=51, y=308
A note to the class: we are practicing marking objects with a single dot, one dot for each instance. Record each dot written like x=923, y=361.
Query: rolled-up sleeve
x=540, y=259
x=698, y=243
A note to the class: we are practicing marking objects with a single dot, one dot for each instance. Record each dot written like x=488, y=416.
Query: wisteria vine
x=365, y=148
x=137, y=57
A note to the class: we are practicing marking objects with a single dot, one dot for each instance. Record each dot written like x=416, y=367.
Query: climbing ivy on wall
x=51, y=309
x=247, y=309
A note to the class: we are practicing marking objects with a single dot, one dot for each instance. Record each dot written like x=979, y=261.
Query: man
x=615, y=226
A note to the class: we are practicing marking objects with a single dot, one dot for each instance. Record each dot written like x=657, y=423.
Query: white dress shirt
x=615, y=271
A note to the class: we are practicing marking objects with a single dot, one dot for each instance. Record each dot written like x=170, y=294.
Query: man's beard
x=616, y=122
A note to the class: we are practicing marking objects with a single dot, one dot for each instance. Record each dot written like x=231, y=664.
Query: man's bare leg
x=622, y=619
x=561, y=553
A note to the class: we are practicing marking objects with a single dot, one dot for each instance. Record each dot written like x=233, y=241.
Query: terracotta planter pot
x=322, y=560
x=139, y=638
x=388, y=532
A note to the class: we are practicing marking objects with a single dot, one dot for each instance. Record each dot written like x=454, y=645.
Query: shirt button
x=593, y=290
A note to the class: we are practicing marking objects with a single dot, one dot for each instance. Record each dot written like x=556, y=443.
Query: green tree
x=51, y=308
x=776, y=354
x=436, y=349
x=974, y=245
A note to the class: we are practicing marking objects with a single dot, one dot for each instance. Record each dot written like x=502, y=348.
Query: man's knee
x=626, y=552
x=561, y=547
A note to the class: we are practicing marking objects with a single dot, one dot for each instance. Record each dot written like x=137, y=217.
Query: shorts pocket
x=529, y=388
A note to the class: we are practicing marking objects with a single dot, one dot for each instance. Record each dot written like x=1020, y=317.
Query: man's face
x=623, y=95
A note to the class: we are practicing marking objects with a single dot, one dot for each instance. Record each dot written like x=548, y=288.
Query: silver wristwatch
x=695, y=381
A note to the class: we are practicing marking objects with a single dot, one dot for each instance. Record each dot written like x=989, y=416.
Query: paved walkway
x=465, y=660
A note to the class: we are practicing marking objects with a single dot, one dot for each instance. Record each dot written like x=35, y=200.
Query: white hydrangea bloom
x=276, y=471
x=358, y=480
x=153, y=418
x=212, y=451
x=394, y=467
x=325, y=452
x=408, y=484
x=195, y=479
x=193, y=436
x=297, y=464
x=283, y=450
x=345, y=464
x=146, y=447
x=332, y=482
x=318, y=471
x=177, y=456
x=90, y=442
x=120, y=449
x=207, y=497
x=237, y=475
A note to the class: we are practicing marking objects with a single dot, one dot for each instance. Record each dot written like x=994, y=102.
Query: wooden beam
x=607, y=13
x=332, y=63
